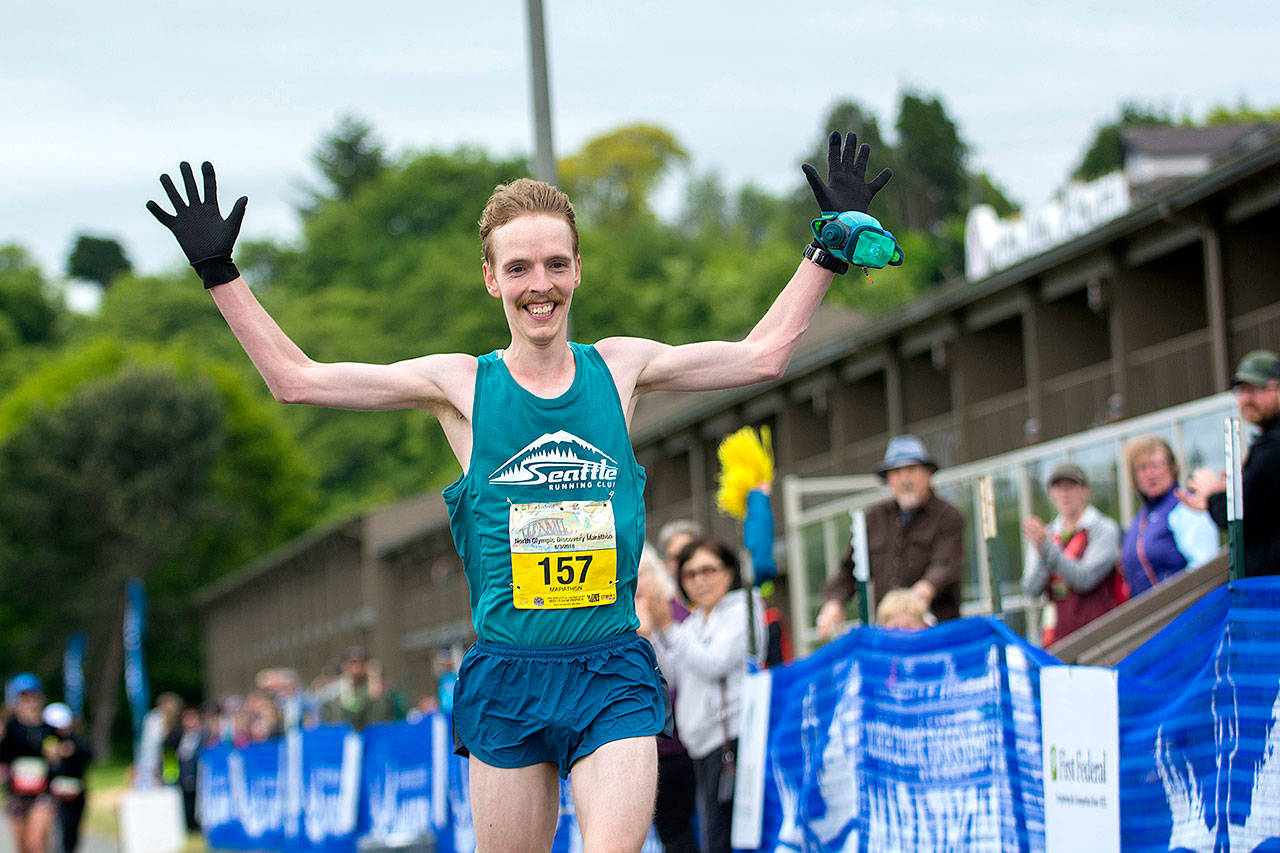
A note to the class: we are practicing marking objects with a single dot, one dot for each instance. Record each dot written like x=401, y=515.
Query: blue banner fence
x=880, y=741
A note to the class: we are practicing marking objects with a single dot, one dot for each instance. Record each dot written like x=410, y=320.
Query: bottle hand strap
x=858, y=239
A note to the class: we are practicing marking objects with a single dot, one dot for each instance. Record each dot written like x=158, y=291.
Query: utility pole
x=544, y=155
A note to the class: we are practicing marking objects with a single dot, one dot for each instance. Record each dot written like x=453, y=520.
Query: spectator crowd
x=1079, y=563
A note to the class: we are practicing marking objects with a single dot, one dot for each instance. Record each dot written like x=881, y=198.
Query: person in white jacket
x=704, y=658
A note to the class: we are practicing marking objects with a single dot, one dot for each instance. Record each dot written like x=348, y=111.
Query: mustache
x=551, y=297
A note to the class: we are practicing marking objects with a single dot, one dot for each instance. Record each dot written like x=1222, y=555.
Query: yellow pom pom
x=746, y=463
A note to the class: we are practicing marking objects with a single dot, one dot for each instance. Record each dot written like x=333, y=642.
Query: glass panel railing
x=1102, y=466
x=1202, y=441
x=1038, y=471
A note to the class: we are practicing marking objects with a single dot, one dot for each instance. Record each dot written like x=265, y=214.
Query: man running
x=548, y=515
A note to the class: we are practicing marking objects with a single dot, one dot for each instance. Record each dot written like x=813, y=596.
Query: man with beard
x=915, y=540
x=1257, y=387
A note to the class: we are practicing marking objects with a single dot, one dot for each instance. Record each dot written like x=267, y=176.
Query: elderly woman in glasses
x=1166, y=536
x=705, y=658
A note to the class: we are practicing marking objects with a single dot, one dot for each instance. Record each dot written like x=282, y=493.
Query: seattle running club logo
x=558, y=460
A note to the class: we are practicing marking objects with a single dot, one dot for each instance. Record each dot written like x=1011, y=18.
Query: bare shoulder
x=627, y=359
x=628, y=356
x=449, y=379
x=627, y=348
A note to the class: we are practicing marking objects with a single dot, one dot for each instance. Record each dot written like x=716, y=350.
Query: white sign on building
x=992, y=244
x=1080, y=725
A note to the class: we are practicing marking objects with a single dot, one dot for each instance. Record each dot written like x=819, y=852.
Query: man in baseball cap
x=1071, y=560
x=23, y=683
x=915, y=540
x=1257, y=386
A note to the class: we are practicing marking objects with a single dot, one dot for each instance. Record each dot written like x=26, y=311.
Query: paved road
x=88, y=843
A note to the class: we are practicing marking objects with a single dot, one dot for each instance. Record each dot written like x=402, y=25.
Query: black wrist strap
x=216, y=271
x=825, y=259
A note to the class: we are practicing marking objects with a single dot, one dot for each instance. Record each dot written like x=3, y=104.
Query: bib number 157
x=564, y=568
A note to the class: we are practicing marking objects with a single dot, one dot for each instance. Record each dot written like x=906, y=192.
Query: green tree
x=1105, y=153
x=612, y=177
x=28, y=313
x=846, y=115
x=763, y=216
x=706, y=207
x=108, y=486
x=172, y=309
x=931, y=157
x=373, y=240
x=349, y=157
x=983, y=190
x=1242, y=113
x=97, y=259
x=134, y=462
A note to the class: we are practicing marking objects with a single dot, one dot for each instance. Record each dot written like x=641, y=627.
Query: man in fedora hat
x=1257, y=386
x=915, y=540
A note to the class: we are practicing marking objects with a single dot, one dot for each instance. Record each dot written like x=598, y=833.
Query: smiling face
x=534, y=272
x=706, y=579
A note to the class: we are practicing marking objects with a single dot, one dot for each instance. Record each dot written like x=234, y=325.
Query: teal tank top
x=549, y=517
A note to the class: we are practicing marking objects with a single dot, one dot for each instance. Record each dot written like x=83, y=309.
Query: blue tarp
x=403, y=794
x=1199, y=730
x=931, y=741
x=888, y=740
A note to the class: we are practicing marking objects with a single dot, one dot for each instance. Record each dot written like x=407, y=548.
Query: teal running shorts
x=516, y=706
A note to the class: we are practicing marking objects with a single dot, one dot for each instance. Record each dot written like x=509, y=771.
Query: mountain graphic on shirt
x=559, y=458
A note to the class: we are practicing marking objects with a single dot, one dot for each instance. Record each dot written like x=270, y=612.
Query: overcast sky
x=102, y=97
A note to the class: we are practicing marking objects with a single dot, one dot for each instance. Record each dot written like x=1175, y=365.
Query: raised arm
x=430, y=382
x=764, y=353
x=442, y=383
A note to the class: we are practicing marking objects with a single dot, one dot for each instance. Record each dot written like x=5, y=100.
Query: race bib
x=563, y=555
x=66, y=787
x=28, y=775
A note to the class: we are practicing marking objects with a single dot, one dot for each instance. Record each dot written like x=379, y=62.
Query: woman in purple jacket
x=1166, y=536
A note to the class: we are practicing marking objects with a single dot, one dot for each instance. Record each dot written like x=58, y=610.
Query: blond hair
x=901, y=602
x=521, y=197
x=1145, y=445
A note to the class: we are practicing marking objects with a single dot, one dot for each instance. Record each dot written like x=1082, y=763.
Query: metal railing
x=816, y=510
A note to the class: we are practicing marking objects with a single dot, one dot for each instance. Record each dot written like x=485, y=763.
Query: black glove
x=845, y=188
x=205, y=237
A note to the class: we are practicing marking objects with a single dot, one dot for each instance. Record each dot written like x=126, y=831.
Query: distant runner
x=24, y=766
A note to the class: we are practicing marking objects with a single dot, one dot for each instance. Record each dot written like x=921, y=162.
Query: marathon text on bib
x=563, y=555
